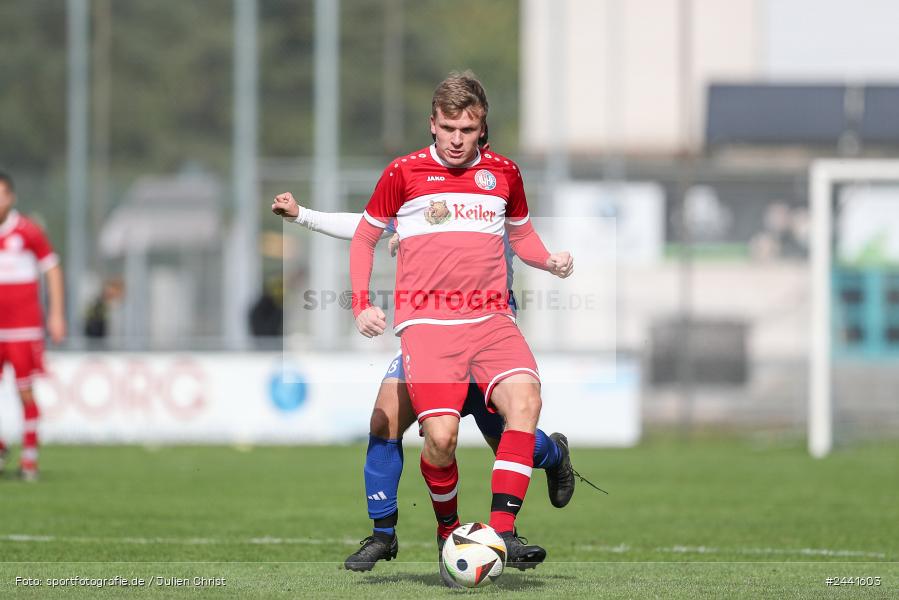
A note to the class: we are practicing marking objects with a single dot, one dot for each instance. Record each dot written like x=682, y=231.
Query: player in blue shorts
x=392, y=416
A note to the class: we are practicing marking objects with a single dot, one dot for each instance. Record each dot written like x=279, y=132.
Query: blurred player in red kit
x=25, y=254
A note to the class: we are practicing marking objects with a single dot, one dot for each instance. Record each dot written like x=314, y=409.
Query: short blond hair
x=460, y=92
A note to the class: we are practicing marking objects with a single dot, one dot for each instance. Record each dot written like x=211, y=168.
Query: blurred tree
x=33, y=79
x=162, y=97
x=171, y=96
x=438, y=37
x=286, y=77
x=167, y=98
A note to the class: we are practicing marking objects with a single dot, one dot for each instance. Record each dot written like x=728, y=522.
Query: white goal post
x=823, y=176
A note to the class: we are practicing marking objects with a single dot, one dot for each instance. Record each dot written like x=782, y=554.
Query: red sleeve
x=362, y=256
x=517, y=206
x=382, y=207
x=387, y=198
x=525, y=242
x=527, y=245
x=37, y=242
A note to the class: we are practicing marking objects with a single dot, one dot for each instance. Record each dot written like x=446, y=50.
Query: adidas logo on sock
x=378, y=496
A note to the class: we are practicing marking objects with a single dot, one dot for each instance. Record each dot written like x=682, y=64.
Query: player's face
x=7, y=199
x=457, y=138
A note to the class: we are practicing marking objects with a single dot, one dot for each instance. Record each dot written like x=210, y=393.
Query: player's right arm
x=382, y=207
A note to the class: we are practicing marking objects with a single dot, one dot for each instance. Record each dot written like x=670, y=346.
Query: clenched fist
x=560, y=264
x=371, y=322
x=285, y=206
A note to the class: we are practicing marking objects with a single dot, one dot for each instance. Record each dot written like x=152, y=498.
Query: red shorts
x=441, y=360
x=26, y=358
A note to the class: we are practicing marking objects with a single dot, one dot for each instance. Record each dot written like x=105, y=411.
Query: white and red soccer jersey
x=451, y=267
x=25, y=253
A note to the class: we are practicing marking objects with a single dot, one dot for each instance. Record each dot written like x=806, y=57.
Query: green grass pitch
x=705, y=519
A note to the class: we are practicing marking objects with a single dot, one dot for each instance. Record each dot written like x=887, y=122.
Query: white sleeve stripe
x=506, y=465
x=21, y=334
x=444, y=497
x=373, y=220
x=48, y=262
x=520, y=221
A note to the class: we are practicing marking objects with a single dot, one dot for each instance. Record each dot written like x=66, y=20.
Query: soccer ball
x=474, y=555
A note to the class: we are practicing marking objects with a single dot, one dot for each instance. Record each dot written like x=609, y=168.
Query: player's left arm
x=523, y=238
x=56, y=314
x=48, y=263
x=340, y=225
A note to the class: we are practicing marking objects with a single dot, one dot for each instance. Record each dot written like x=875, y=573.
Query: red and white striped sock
x=443, y=485
x=511, y=476
x=28, y=460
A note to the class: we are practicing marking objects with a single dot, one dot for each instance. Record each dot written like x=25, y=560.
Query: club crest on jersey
x=485, y=180
x=437, y=212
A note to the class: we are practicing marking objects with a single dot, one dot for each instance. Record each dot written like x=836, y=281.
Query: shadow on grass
x=514, y=581
x=424, y=579
x=510, y=580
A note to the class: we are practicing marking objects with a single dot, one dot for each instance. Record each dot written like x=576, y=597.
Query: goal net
x=854, y=256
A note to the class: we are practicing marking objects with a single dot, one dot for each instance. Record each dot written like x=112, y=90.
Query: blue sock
x=383, y=467
x=546, y=454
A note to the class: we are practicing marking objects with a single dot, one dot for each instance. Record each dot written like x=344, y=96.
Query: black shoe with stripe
x=560, y=479
x=374, y=548
x=521, y=555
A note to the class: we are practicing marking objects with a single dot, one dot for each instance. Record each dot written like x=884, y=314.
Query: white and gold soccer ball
x=474, y=555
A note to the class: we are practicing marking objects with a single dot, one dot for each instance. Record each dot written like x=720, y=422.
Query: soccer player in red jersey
x=25, y=253
x=392, y=414
x=452, y=204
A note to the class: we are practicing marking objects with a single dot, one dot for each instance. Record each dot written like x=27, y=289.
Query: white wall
x=622, y=62
x=831, y=40
x=229, y=398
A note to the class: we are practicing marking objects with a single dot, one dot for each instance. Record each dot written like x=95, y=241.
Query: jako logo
x=436, y=178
